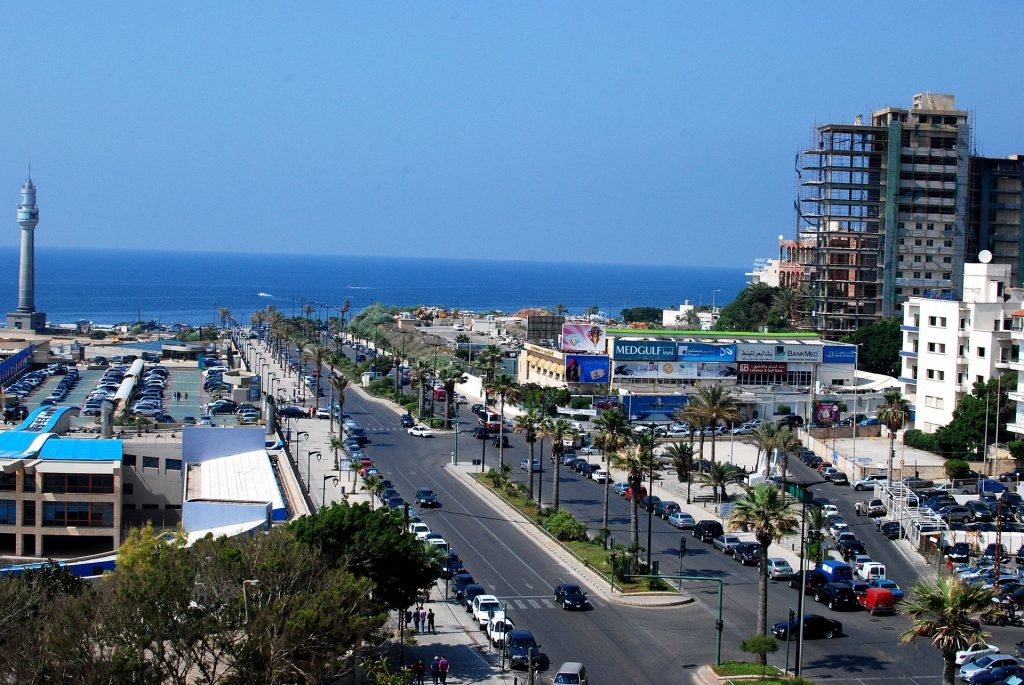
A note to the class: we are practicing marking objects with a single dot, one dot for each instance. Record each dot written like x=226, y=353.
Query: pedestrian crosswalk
x=536, y=602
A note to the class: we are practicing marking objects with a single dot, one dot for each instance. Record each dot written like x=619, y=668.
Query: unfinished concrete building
x=995, y=218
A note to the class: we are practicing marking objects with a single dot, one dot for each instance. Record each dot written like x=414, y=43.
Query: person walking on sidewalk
x=423, y=620
x=430, y=621
x=408, y=618
x=443, y=667
x=435, y=669
x=418, y=669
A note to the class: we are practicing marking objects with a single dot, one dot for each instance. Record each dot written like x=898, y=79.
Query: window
x=960, y=378
x=127, y=507
x=917, y=291
x=80, y=514
x=917, y=274
x=28, y=512
x=899, y=290
x=947, y=243
x=939, y=321
x=175, y=507
x=899, y=258
x=78, y=483
x=150, y=506
x=128, y=460
x=8, y=512
x=928, y=274
x=948, y=227
x=899, y=225
x=799, y=378
x=937, y=347
x=929, y=243
x=960, y=351
x=931, y=227
x=902, y=242
x=981, y=352
x=917, y=242
x=127, y=488
x=917, y=258
x=918, y=225
x=172, y=464
x=9, y=481
x=151, y=463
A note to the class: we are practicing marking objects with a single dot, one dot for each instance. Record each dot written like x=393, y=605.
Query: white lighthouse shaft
x=28, y=217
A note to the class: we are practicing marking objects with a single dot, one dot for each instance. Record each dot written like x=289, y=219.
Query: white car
x=323, y=413
x=830, y=510
x=779, y=569
x=421, y=432
x=589, y=449
x=974, y=651
x=498, y=627
x=485, y=606
x=601, y=476
x=680, y=519
x=420, y=530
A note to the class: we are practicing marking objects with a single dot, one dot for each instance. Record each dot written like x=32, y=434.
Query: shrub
x=956, y=468
x=929, y=442
x=1016, y=448
x=523, y=489
x=783, y=409
x=564, y=527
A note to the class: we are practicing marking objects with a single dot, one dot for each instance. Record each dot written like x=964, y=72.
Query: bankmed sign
x=764, y=352
x=703, y=352
x=645, y=350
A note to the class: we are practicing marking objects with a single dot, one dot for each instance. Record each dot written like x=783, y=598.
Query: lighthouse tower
x=26, y=317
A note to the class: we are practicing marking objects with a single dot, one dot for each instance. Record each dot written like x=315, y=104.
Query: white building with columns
x=948, y=345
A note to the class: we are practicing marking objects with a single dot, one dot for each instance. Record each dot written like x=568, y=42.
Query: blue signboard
x=703, y=352
x=652, y=407
x=586, y=368
x=645, y=350
x=840, y=354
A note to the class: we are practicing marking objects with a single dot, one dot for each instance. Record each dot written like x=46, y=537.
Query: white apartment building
x=673, y=318
x=1017, y=336
x=948, y=345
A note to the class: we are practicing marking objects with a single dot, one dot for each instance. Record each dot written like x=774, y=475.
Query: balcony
x=1015, y=396
x=908, y=381
x=908, y=354
x=911, y=329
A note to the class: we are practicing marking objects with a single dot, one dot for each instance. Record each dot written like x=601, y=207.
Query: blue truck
x=836, y=571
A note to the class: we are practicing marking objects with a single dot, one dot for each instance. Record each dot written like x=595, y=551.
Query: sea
x=115, y=286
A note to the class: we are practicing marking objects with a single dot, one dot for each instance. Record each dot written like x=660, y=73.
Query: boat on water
x=263, y=294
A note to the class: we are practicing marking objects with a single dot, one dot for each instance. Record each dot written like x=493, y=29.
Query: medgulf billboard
x=673, y=370
x=840, y=354
x=645, y=350
x=584, y=337
x=703, y=352
x=586, y=368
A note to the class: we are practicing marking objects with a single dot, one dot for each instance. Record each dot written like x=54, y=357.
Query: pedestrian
x=423, y=620
x=435, y=670
x=186, y=395
x=419, y=669
x=408, y=618
x=417, y=617
x=430, y=621
x=878, y=523
x=443, y=667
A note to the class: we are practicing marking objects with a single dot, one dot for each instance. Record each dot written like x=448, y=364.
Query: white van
x=872, y=571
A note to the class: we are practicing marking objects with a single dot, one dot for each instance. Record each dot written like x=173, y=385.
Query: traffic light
x=792, y=615
x=682, y=546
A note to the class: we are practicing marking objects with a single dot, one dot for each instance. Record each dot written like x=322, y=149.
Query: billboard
x=606, y=402
x=646, y=350
x=673, y=370
x=762, y=367
x=652, y=407
x=826, y=412
x=772, y=352
x=840, y=354
x=586, y=368
x=584, y=337
x=703, y=352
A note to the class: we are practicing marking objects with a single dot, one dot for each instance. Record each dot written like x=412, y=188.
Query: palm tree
x=765, y=511
x=763, y=438
x=789, y=304
x=560, y=309
x=612, y=435
x=258, y=318
x=343, y=309
x=224, y=314
x=718, y=476
x=715, y=404
x=307, y=310
x=335, y=444
x=786, y=442
x=697, y=424
x=317, y=354
x=528, y=423
x=893, y=413
x=681, y=455
x=637, y=460
x=946, y=611
x=450, y=376
x=339, y=384
x=817, y=529
x=558, y=429
x=419, y=375
x=506, y=388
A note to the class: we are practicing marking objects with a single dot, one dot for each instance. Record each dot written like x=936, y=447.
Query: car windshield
x=489, y=606
x=567, y=678
x=983, y=662
x=522, y=642
x=572, y=591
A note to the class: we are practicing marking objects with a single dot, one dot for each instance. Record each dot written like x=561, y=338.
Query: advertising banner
x=652, y=407
x=646, y=350
x=584, y=337
x=584, y=368
x=840, y=354
x=703, y=352
x=605, y=402
x=826, y=412
x=768, y=352
x=673, y=370
x=762, y=367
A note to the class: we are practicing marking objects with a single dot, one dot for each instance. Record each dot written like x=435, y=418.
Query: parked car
x=814, y=627
x=985, y=663
x=707, y=530
x=726, y=543
x=406, y=421
x=601, y=476
x=779, y=569
x=892, y=530
x=870, y=507
x=665, y=509
x=974, y=651
x=519, y=647
x=485, y=606
x=620, y=488
x=649, y=503
x=570, y=596
x=747, y=553
x=498, y=627
x=571, y=673
x=525, y=466
x=836, y=596
x=460, y=581
x=810, y=580
x=681, y=519
x=877, y=601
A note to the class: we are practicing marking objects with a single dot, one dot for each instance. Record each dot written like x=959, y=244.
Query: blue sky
x=603, y=132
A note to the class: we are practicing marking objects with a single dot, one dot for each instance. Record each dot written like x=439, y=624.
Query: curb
x=596, y=582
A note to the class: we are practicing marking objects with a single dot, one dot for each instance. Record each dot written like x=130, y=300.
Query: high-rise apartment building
x=994, y=215
x=886, y=206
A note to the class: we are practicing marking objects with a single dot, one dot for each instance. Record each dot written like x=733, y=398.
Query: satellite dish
x=984, y=256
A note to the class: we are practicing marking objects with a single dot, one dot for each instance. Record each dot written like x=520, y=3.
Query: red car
x=643, y=492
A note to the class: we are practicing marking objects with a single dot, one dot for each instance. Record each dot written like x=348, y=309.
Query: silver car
x=681, y=519
x=726, y=543
x=986, y=663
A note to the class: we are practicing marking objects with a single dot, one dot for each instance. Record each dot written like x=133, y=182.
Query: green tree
x=339, y=384
x=451, y=375
x=224, y=314
x=716, y=405
x=420, y=374
x=753, y=308
x=681, y=455
x=945, y=611
x=893, y=413
x=760, y=644
x=763, y=438
x=765, y=511
x=789, y=304
x=878, y=346
x=718, y=476
x=637, y=461
x=317, y=354
x=642, y=314
x=529, y=423
x=612, y=435
x=507, y=390
x=558, y=429
x=371, y=544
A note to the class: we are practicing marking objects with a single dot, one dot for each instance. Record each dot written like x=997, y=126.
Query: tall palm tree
x=339, y=384
x=817, y=528
x=318, y=354
x=344, y=309
x=224, y=314
x=946, y=611
x=374, y=485
x=697, y=424
x=528, y=423
x=558, y=429
x=716, y=405
x=786, y=442
x=789, y=303
x=765, y=511
x=336, y=444
x=450, y=376
x=507, y=390
x=763, y=438
x=258, y=318
x=718, y=476
x=560, y=309
x=307, y=310
x=681, y=455
x=636, y=460
x=612, y=435
x=893, y=413
x=419, y=375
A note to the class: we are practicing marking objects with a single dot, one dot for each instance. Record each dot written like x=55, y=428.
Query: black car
x=520, y=647
x=836, y=596
x=979, y=511
x=571, y=597
x=812, y=579
x=1012, y=474
x=849, y=547
x=451, y=565
x=499, y=441
x=814, y=627
x=460, y=581
x=425, y=497
x=707, y=530
x=406, y=421
x=960, y=553
x=648, y=503
x=587, y=469
x=747, y=553
x=481, y=433
x=665, y=508
x=292, y=412
x=892, y=530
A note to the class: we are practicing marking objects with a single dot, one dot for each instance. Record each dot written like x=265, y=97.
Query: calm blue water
x=110, y=286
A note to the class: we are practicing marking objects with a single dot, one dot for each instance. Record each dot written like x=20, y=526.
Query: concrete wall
x=156, y=493
x=203, y=515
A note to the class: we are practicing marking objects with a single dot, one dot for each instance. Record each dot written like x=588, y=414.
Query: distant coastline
x=107, y=286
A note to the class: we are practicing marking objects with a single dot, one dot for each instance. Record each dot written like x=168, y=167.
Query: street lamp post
x=245, y=597
x=323, y=490
x=309, y=474
x=297, y=434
